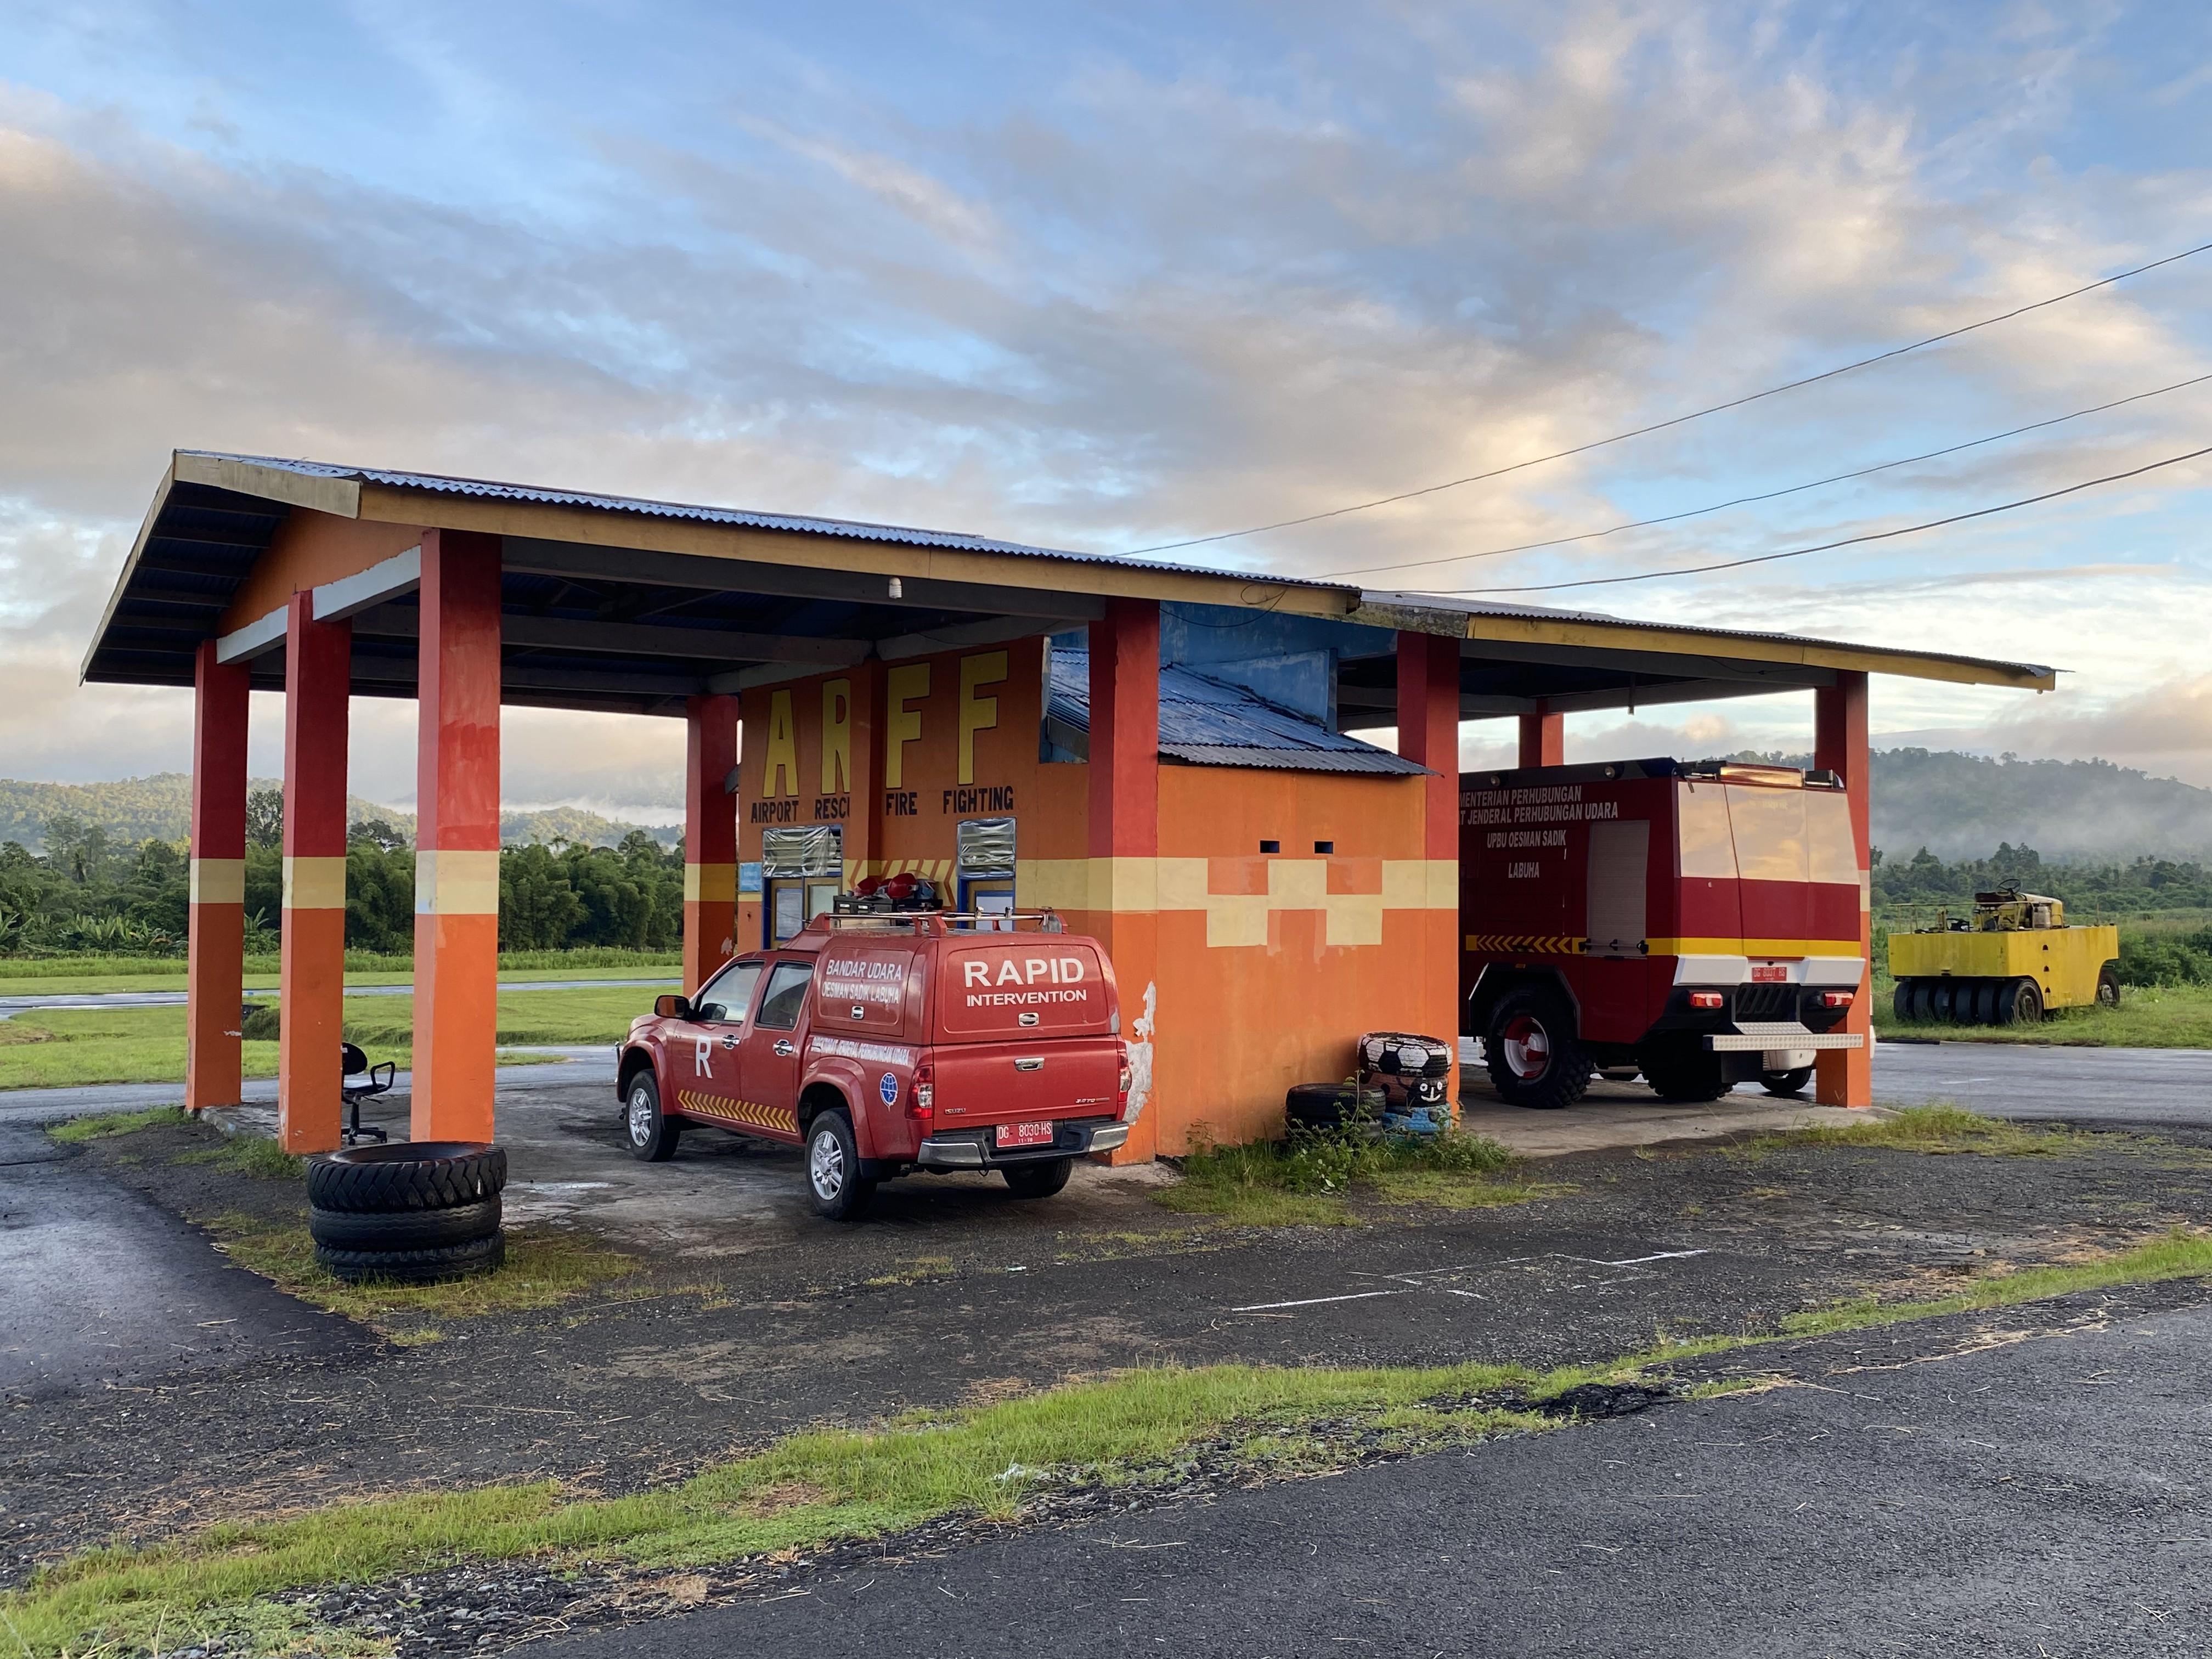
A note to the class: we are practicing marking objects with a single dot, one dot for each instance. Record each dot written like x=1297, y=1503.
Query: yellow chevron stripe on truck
x=1531, y=945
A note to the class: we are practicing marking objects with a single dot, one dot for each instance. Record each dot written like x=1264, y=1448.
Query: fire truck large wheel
x=1535, y=1060
x=1039, y=1180
x=834, y=1180
x=652, y=1134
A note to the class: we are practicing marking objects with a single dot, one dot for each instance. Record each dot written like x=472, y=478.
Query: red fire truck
x=1697, y=923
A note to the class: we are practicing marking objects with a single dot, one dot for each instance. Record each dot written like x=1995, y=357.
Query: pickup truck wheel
x=652, y=1134
x=1535, y=1058
x=1786, y=1084
x=1039, y=1180
x=833, y=1168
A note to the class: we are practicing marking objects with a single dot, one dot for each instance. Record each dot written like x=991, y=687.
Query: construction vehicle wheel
x=2019, y=1002
x=1901, y=1002
x=1941, y=999
x=1924, y=1000
x=1990, y=1000
x=1534, y=1057
x=2108, y=987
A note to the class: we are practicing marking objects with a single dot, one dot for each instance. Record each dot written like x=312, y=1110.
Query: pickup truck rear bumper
x=972, y=1149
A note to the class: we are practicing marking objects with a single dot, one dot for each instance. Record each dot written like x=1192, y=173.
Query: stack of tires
x=413, y=1213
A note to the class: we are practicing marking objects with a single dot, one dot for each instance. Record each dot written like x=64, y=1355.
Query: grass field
x=72, y=976
x=60, y=1048
x=2176, y=1017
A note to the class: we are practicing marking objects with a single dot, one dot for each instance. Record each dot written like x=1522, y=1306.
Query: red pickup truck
x=886, y=1044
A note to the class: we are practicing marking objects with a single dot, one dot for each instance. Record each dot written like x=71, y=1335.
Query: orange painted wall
x=309, y=549
x=1239, y=1024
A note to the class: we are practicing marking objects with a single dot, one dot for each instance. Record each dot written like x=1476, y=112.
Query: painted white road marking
x=1316, y=1301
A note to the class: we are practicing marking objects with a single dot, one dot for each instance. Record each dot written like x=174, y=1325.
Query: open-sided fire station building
x=1157, y=753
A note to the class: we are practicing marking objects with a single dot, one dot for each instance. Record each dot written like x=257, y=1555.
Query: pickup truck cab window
x=785, y=996
x=728, y=997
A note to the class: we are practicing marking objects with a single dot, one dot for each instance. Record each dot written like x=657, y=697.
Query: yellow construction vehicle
x=2006, y=963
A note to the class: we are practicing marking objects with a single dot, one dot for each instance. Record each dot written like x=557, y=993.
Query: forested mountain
x=159, y=808
x=1964, y=806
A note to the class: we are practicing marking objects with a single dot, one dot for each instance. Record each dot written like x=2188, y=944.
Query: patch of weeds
x=1303, y=1179
x=1440, y=1189
x=922, y=1270
x=544, y=1267
x=79, y=1129
x=830, y=1484
x=250, y=1155
x=16, y=1032
x=1129, y=1246
x=1939, y=1127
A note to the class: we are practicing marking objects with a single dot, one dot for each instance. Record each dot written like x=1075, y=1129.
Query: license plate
x=1769, y=973
x=1025, y=1134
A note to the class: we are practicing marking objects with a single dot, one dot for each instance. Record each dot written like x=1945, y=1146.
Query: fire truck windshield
x=1727, y=831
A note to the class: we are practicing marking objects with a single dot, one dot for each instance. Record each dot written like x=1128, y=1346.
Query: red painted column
x=1845, y=1077
x=1125, y=839
x=1428, y=734
x=317, y=675
x=215, y=971
x=457, y=839
x=1543, y=740
x=710, y=837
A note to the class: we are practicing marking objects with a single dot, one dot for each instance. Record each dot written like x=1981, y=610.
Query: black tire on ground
x=404, y=1230
x=483, y=1255
x=1534, y=1057
x=1940, y=997
x=407, y=1175
x=1039, y=1180
x=650, y=1133
x=1328, y=1105
x=1788, y=1085
x=1924, y=1000
x=1989, y=996
x=1687, y=1074
x=2019, y=1002
x=1900, y=1002
x=834, y=1182
x=2108, y=987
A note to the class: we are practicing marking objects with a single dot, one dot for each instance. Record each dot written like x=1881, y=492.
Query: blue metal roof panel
x=1206, y=722
x=851, y=529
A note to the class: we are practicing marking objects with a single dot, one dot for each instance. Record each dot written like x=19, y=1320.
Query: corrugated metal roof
x=850, y=529
x=1206, y=722
x=1546, y=614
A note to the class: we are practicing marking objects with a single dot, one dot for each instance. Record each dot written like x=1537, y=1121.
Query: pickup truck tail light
x=922, y=1093
x=1122, y=1098
x=1706, y=998
x=1837, y=999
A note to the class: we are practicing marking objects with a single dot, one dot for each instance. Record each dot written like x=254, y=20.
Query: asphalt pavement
x=105, y=1288
x=2024, y=1495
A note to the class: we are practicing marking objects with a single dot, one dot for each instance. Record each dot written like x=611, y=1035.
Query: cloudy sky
x=1119, y=277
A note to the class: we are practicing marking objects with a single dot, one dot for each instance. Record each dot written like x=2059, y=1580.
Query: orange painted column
x=1428, y=734
x=864, y=827
x=710, y=837
x=215, y=970
x=1125, y=839
x=457, y=839
x=1845, y=1077
x=1543, y=740
x=317, y=676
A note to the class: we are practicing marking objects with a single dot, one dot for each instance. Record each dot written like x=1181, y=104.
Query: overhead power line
x=1847, y=541
x=1675, y=421
x=1768, y=495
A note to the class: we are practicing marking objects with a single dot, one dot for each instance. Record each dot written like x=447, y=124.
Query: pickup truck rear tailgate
x=986, y=1083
